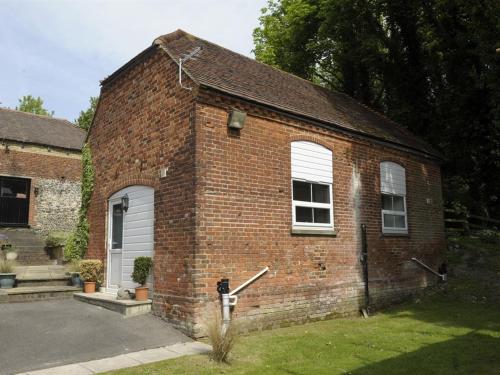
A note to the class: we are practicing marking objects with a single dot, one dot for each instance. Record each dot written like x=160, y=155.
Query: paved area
x=45, y=334
x=126, y=360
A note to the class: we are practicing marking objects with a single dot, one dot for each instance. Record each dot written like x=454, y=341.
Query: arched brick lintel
x=131, y=180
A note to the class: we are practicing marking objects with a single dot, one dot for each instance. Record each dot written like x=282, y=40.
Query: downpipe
x=230, y=299
x=364, y=261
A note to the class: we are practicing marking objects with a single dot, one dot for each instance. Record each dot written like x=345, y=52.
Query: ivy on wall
x=76, y=247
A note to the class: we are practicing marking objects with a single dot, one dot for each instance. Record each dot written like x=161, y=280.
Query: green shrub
x=489, y=236
x=74, y=267
x=142, y=267
x=56, y=239
x=7, y=266
x=76, y=246
x=91, y=270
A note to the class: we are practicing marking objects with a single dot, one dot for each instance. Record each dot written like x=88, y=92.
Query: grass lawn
x=438, y=334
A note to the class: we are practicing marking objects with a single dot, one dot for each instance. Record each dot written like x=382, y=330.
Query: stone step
x=109, y=301
x=44, y=281
x=39, y=293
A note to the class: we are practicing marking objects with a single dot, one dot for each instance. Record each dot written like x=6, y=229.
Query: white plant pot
x=12, y=255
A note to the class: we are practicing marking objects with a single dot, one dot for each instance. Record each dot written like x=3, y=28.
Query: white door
x=130, y=235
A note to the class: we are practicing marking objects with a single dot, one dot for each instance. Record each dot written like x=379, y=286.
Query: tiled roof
x=224, y=70
x=42, y=130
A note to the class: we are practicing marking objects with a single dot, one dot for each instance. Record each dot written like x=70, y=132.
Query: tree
x=86, y=117
x=428, y=64
x=34, y=105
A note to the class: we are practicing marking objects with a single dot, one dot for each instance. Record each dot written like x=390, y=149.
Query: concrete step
x=39, y=293
x=109, y=301
x=44, y=281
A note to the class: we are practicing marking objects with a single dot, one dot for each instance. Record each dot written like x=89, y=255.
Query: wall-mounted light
x=236, y=119
x=36, y=191
x=125, y=203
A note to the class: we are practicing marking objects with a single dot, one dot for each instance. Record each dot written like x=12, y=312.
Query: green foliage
x=56, y=239
x=77, y=243
x=74, y=267
x=429, y=65
x=86, y=117
x=7, y=266
x=34, y=105
x=142, y=267
x=91, y=270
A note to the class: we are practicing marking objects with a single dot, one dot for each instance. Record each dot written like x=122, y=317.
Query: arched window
x=312, y=178
x=393, y=190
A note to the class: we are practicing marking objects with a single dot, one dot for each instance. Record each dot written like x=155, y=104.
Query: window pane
x=386, y=202
x=321, y=193
x=400, y=221
x=322, y=215
x=398, y=203
x=14, y=188
x=301, y=191
x=303, y=214
x=388, y=221
x=117, y=230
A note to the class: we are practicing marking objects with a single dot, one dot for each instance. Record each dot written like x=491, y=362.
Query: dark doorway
x=14, y=201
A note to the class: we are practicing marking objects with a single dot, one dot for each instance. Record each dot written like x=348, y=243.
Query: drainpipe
x=230, y=299
x=364, y=262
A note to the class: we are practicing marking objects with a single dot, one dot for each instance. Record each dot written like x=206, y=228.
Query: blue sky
x=59, y=50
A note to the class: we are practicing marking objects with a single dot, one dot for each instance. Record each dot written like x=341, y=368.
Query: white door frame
x=109, y=288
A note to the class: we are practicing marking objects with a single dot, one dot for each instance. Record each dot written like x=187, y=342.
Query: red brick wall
x=37, y=164
x=244, y=220
x=144, y=122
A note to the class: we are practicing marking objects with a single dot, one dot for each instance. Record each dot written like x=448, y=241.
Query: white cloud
x=59, y=50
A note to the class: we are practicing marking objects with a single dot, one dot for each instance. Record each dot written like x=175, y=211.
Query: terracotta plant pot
x=141, y=293
x=89, y=286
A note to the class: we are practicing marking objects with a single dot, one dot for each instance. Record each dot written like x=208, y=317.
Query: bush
x=91, y=270
x=222, y=343
x=75, y=266
x=7, y=266
x=142, y=267
x=489, y=236
x=56, y=239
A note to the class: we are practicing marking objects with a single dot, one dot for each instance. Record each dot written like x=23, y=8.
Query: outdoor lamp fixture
x=236, y=119
x=125, y=203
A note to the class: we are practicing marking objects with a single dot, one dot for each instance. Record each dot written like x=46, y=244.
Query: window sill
x=314, y=232
x=395, y=234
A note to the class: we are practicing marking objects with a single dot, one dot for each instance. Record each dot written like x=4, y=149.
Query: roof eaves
x=327, y=124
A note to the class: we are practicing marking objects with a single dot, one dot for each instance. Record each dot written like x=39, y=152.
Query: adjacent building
x=40, y=171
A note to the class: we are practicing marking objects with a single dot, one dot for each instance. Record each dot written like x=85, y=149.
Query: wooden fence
x=461, y=223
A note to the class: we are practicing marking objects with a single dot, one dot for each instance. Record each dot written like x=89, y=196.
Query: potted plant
x=10, y=252
x=7, y=274
x=91, y=273
x=74, y=272
x=142, y=267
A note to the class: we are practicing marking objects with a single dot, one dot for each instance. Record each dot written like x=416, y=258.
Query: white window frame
x=393, y=188
x=395, y=230
x=307, y=225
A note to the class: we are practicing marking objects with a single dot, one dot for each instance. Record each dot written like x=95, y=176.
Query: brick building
x=40, y=171
x=289, y=190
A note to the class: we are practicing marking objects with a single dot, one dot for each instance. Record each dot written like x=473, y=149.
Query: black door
x=14, y=201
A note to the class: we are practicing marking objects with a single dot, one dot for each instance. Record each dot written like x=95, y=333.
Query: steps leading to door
x=35, y=283
x=29, y=245
x=39, y=293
